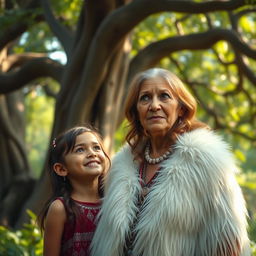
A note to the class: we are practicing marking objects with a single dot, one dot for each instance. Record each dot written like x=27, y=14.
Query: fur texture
x=195, y=208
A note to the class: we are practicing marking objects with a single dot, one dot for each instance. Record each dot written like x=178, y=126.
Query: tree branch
x=9, y=33
x=111, y=33
x=241, y=134
x=221, y=61
x=62, y=33
x=49, y=92
x=245, y=69
x=9, y=130
x=31, y=70
x=154, y=52
x=17, y=60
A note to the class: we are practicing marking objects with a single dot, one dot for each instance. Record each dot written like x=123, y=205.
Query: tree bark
x=94, y=82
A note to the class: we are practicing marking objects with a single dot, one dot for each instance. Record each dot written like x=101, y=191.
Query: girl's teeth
x=92, y=164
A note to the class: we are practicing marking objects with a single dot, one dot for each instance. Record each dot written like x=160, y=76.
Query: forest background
x=69, y=62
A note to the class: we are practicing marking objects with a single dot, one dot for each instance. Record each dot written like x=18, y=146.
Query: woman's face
x=157, y=108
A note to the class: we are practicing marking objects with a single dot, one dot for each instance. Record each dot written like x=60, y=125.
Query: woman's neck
x=159, y=145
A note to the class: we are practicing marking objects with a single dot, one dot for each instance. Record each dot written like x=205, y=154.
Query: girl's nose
x=91, y=153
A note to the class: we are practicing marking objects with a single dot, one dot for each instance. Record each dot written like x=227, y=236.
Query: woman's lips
x=155, y=117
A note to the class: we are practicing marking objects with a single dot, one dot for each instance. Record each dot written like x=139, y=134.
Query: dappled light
x=66, y=63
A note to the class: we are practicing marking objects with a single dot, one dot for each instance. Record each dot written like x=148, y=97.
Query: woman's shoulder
x=124, y=155
x=204, y=144
x=123, y=160
x=203, y=139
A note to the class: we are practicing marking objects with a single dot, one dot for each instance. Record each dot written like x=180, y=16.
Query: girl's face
x=87, y=158
x=158, y=109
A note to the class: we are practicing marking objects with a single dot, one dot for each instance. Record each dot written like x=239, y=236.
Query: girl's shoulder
x=57, y=205
x=56, y=211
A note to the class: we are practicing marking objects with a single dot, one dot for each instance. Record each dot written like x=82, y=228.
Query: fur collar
x=190, y=209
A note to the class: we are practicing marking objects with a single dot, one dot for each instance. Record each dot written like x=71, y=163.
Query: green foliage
x=10, y=17
x=25, y=242
x=248, y=183
x=248, y=25
x=39, y=117
x=69, y=10
x=253, y=246
x=37, y=39
x=119, y=138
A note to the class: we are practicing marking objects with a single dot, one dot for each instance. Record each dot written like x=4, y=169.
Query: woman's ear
x=181, y=111
x=60, y=169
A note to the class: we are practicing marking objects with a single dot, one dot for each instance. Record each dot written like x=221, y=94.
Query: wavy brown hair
x=136, y=136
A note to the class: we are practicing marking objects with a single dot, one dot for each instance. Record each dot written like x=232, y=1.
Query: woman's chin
x=157, y=131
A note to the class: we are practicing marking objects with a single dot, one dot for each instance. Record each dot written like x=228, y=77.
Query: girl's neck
x=86, y=192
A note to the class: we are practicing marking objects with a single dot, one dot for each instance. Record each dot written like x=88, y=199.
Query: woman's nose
x=155, y=104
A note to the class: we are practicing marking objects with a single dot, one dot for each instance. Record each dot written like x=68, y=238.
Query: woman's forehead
x=155, y=83
x=154, y=80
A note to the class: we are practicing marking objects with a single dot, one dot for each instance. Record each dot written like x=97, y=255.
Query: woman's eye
x=165, y=96
x=144, y=97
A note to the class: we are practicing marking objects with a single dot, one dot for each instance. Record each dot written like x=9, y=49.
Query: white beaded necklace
x=156, y=160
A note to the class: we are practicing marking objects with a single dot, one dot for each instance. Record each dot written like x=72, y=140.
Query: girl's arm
x=54, y=225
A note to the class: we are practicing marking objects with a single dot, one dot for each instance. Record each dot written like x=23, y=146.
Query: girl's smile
x=87, y=157
x=92, y=163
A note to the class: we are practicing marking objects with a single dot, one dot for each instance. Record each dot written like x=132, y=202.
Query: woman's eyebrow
x=144, y=91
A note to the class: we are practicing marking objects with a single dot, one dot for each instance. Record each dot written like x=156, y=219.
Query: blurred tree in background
x=63, y=63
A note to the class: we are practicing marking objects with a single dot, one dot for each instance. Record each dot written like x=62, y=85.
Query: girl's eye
x=144, y=97
x=97, y=147
x=79, y=150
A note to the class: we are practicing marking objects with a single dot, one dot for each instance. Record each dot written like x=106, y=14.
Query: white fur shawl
x=194, y=208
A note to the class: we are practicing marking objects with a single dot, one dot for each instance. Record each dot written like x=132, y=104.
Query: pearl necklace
x=158, y=159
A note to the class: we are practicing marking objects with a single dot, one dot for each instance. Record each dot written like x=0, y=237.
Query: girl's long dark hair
x=61, y=186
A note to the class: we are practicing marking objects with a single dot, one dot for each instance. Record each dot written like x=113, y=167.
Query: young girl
x=77, y=164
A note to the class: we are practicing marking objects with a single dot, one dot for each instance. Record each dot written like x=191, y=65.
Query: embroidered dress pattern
x=145, y=190
x=77, y=237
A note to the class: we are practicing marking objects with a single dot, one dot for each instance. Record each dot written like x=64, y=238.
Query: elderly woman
x=171, y=190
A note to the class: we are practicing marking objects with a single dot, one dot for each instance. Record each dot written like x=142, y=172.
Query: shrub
x=25, y=242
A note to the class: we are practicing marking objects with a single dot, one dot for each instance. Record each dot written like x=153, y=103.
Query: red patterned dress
x=76, y=239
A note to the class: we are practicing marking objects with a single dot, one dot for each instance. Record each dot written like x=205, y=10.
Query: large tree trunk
x=106, y=97
x=16, y=182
